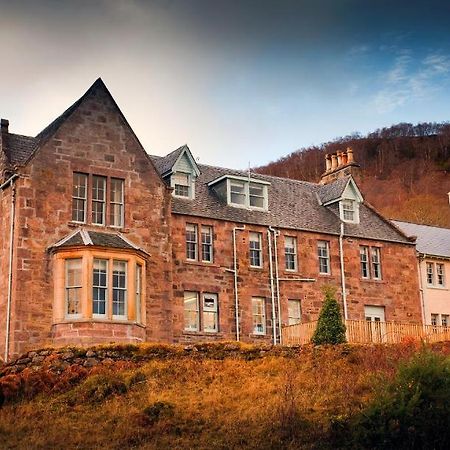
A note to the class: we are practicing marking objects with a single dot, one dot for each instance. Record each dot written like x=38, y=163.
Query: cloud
x=411, y=78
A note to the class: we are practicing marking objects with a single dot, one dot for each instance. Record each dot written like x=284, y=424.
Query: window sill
x=260, y=336
x=72, y=224
x=325, y=275
x=98, y=320
x=202, y=333
x=259, y=269
x=201, y=263
x=438, y=288
x=372, y=280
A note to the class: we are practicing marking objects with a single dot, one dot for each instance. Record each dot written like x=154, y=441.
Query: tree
x=330, y=327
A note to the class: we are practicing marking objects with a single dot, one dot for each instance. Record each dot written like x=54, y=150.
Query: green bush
x=412, y=411
x=330, y=328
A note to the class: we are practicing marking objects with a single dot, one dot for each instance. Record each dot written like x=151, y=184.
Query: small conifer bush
x=330, y=327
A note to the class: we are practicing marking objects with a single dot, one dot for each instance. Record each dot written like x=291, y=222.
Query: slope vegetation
x=404, y=169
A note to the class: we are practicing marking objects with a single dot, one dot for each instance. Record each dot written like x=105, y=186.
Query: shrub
x=413, y=410
x=98, y=388
x=157, y=411
x=330, y=328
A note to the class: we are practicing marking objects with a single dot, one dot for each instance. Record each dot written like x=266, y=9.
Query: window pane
x=348, y=210
x=294, y=312
x=440, y=274
x=73, y=286
x=259, y=315
x=181, y=184
x=290, y=251
x=191, y=241
x=364, y=258
x=99, y=288
x=119, y=287
x=207, y=248
x=210, y=316
x=191, y=322
x=237, y=192
x=79, y=196
x=256, y=195
x=98, y=200
x=376, y=263
x=116, y=202
x=324, y=257
x=138, y=285
x=255, y=249
x=430, y=273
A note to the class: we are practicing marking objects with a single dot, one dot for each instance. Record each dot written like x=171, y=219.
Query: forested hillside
x=405, y=169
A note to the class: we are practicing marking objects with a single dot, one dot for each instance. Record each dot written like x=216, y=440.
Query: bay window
x=104, y=285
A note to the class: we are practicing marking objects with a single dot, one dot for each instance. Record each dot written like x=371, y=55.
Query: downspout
x=11, y=254
x=235, y=273
x=422, y=296
x=274, y=317
x=341, y=255
x=276, y=233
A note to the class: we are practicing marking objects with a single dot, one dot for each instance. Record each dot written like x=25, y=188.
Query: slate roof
x=163, y=165
x=293, y=204
x=333, y=191
x=19, y=148
x=433, y=241
x=82, y=237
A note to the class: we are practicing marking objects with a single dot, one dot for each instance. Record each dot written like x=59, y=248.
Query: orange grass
x=187, y=402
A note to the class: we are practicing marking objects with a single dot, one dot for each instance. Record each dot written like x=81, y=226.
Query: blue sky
x=238, y=81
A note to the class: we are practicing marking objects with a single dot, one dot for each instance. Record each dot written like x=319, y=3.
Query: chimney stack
x=338, y=165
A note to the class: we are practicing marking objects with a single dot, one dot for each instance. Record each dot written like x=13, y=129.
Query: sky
x=241, y=82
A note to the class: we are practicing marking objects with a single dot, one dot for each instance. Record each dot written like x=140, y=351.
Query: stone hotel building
x=101, y=242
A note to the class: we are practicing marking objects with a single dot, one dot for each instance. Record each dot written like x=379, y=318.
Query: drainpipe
x=341, y=254
x=422, y=295
x=276, y=233
x=235, y=273
x=11, y=254
x=274, y=317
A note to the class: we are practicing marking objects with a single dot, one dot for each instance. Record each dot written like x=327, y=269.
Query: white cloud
x=411, y=78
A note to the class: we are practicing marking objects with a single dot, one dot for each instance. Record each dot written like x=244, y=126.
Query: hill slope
x=404, y=169
x=228, y=396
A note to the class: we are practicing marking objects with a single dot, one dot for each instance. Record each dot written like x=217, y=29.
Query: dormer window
x=247, y=194
x=348, y=210
x=181, y=183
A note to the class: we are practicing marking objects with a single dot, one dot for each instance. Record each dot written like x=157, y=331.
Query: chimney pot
x=344, y=158
x=334, y=164
x=339, y=158
x=327, y=162
x=350, y=155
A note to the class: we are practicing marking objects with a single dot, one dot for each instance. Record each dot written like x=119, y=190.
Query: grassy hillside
x=404, y=169
x=223, y=396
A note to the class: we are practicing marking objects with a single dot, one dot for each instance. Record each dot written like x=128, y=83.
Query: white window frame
x=375, y=260
x=138, y=293
x=191, y=242
x=214, y=311
x=175, y=180
x=434, y=319
x=68, y=288
x=105, y=287
x=245, y=185
x=430, y=273
x=347, y=205
x=364, y=261
x=440, y=275
x=120, y=204
x=262, y=315
x=77, y=198
x=445, y=320
x=324, y=256
x=297, y=318
x=255, y=237
x=207, y=238
x=120, y=289
x=100, y=201
x=196, y=311
x=291, y=251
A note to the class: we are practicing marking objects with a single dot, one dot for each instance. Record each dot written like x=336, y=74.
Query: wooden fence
x=365, y=332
